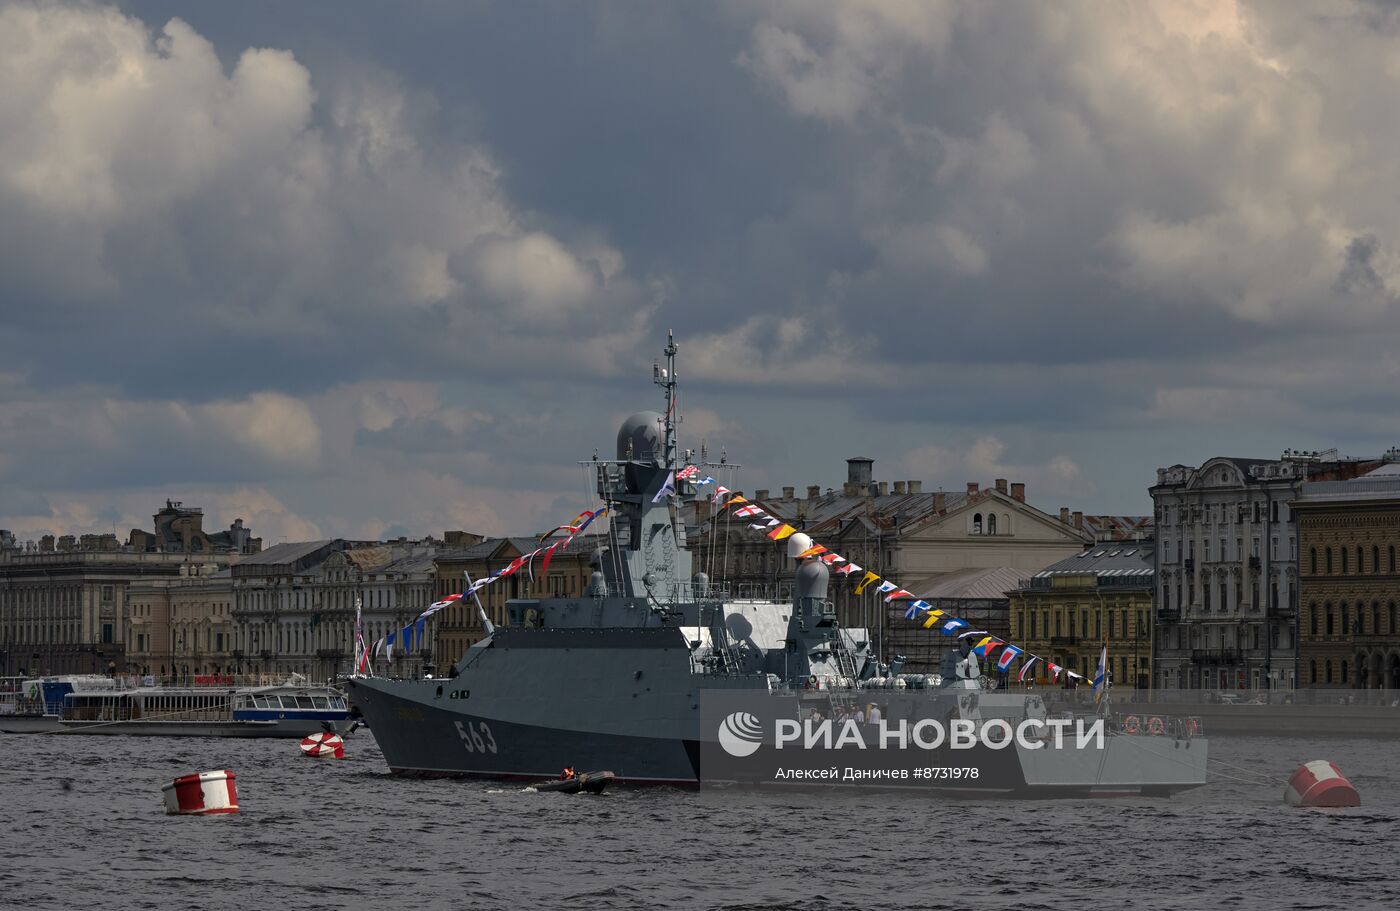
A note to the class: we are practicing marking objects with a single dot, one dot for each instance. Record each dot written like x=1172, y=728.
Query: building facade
x=979, y=596
x=1227, y=569
x=896, y=530
x=294, y=605
x=181, y=627
x=64, y=601
x=1348, y=534
x=1071, y=610
x=457, y=627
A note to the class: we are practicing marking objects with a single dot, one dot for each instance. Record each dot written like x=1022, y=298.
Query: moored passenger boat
x=102, y=705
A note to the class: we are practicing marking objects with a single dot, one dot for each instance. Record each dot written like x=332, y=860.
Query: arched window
x=1375, y=559
x=1346, y=619
x=1392, y=618
x=1344, y=671
x=1330, y=626
x=1392, y=558
x=1328, y=554
x=1343, y=552
x=1312, y=620
x=1312, y=667
x=1375, y=618
x=1360, y=563
x=1329, y=670
x=991, y=523
x=1360, y=619
x=1313, y=557
x=977, y=524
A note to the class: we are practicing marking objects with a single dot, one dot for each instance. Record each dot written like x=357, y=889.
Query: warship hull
x=424, y=734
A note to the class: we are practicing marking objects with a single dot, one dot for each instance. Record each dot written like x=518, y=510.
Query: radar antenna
x=666, y=379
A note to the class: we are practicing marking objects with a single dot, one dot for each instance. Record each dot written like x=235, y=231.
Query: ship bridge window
x=304, y=702
x=337, y=703
x=288, y=702
x=321, y=702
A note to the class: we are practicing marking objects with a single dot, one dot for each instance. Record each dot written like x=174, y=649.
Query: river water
x=84, y=827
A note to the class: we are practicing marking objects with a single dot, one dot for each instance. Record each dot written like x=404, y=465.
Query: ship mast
x=666, y=379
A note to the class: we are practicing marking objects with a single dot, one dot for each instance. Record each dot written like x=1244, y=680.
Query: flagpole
x=485, y=620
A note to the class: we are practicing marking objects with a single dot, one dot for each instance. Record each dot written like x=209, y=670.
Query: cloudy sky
x=379, y=269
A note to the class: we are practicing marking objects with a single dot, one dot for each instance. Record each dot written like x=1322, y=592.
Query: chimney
x=1078, y=519
x=814, y=491
x=788, y=492
x=1001, y=485
x=859, y=470
x=899, y=488
x=850, y=490
x=971, y=488
x=1064, y=514
x=761, y=493
x=1018, y=492
x=940, y=501
x=884, y=488
x=916, y=486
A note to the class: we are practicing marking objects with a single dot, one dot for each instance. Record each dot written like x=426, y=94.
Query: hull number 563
x=476, y=737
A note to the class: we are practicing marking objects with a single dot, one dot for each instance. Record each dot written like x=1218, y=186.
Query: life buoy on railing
x=1131, y=724
x=1156, y=726
x=1193, y=727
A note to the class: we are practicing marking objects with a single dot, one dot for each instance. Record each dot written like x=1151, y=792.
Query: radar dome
x=797, y=543
x=639, y=439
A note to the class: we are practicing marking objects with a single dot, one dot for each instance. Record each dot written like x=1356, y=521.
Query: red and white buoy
x=1320, y=784
x=201, y=794
x=323, y=746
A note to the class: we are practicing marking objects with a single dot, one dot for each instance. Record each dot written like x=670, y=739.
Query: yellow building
x=1348, y=536
x=1071, y=609
x=460, y=625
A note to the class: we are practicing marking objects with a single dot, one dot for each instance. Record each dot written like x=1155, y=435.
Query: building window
x=1344, y=672
x=1346, y=619
x=1273, y=515
x=1375, y=618
x=1375, y=559
x=977, y=524
x=1360, y=563
x=1224, y=596
x=1312, y=557
x=1327, y=553
x=991, y=523
x=1392, y=558
x=106, y=634
x=1312, y=670
x=1328, y=667
x=1343, y=551
x=1328, y=608
x=1392, y=618
x=106, y=593
x=1360, y=619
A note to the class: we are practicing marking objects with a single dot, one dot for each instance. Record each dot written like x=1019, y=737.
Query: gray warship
x=615, y=679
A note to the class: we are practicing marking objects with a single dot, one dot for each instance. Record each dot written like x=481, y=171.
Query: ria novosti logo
x=740, y=734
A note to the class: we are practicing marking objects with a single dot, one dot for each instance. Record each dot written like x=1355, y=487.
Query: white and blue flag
x=1101, y=675
x=667, y=489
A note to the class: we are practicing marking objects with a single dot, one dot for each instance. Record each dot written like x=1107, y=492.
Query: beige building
x=457, y=627
x=182, y=627
x=294, y=605
x=896, y=530
x=64, y=601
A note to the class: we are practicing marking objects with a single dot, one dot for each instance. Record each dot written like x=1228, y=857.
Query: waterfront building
x=1068, y=612
x=896, y=530
x=181, y=627
x=459, y=626
x=1349, y=586
x=294, y=605
x=1227, y=568
x=63, y=600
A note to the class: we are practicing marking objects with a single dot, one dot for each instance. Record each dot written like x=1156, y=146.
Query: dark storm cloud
x=930, y=220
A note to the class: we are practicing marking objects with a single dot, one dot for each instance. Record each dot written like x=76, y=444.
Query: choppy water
x=346, y=834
